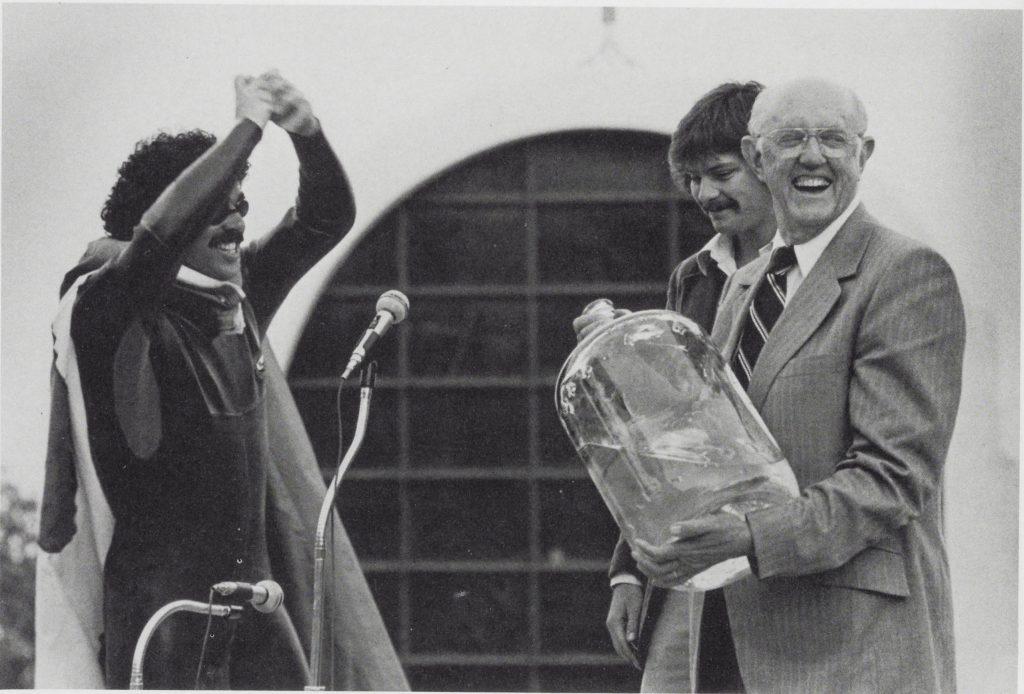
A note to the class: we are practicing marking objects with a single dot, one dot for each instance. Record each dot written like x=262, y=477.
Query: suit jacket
x=694, y=291
x=859, y=382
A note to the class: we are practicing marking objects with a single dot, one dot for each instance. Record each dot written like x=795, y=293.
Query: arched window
x=485, y=543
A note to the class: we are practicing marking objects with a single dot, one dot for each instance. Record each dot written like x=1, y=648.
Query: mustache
x=718, y=205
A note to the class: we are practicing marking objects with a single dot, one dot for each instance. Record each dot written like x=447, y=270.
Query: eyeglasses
x=241, y=206
x=834, y=142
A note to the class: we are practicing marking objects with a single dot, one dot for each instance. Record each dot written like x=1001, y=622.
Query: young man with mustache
x=168, y=339
x=705, y=159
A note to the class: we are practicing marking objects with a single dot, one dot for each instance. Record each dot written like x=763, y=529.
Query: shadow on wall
x=18, y=522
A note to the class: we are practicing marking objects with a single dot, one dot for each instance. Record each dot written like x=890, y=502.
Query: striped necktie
x=764, y=311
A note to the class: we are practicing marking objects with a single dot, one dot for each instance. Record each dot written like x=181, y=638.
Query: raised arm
x=325, y=200
x=324, y=209
x=190, y=203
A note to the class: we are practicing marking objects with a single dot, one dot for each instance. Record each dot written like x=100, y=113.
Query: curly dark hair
x=149, y=169
x=715, y=125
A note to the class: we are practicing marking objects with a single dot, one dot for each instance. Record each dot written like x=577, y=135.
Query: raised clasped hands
x=252, y=101
x=291, y=110
x=270, y=97
x=696, y=545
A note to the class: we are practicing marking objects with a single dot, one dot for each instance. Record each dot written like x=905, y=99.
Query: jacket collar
x=808, y=307
x=717, y=253
x=843, y=254
x=224, y=299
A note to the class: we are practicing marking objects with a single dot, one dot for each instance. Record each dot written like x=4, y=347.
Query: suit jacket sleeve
x=903, y=395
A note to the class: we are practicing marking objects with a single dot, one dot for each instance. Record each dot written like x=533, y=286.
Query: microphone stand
x=166, y=611
x=369, y=375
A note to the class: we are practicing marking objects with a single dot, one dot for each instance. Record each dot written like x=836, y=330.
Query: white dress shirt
x=807, y=253
x=719, y=248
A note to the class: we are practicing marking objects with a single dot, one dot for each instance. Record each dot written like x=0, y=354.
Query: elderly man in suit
x=849, y=340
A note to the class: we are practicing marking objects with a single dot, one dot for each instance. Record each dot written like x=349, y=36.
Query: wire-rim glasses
x=833, y=142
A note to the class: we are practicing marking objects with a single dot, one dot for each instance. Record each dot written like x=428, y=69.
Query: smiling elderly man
x=849, y=340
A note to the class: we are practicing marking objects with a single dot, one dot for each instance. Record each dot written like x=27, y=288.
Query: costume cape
x=76, y=526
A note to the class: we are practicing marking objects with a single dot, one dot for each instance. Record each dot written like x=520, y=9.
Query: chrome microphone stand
x=159, y=616
x=369, y=375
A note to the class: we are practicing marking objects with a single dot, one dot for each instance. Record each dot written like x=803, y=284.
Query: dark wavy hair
x=145, y=174
x=715, y=125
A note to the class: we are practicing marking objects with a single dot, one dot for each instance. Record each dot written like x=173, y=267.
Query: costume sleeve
x=325, y=200
x=903, y=397
x=324, y=212
x=182, y=212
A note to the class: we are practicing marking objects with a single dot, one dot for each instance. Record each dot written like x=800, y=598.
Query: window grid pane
x=497, y=255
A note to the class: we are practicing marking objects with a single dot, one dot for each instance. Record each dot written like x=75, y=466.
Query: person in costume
x=167, y=338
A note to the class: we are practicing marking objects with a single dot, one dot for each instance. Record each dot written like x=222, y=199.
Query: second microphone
x=392, y=308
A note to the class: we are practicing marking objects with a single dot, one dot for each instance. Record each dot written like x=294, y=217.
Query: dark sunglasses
x=241, y=206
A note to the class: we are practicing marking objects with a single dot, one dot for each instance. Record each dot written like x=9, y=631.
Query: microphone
x=265, y=596
x=392, y=308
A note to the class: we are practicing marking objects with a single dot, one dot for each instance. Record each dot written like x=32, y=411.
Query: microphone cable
x=206, y=638
x=329, y=536
x=341, y=438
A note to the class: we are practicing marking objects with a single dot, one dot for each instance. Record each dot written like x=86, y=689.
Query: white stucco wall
x=405, y=92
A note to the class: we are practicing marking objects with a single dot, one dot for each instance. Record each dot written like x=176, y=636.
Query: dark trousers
x=717, y=667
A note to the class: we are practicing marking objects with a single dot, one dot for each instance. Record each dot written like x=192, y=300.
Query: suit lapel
x=812, y=302
x=808, y=308
x=725, y=332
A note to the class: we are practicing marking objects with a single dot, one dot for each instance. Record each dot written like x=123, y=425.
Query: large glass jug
x=666, y=432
